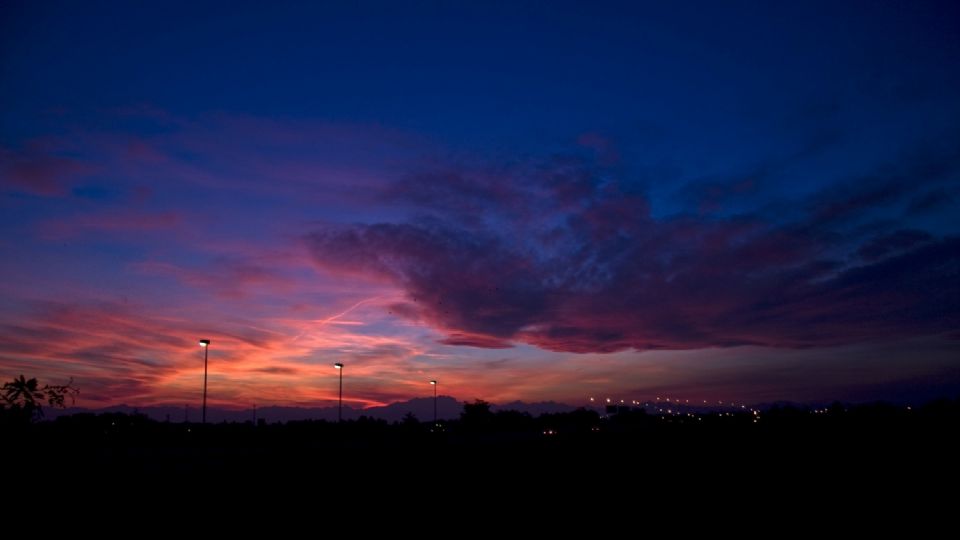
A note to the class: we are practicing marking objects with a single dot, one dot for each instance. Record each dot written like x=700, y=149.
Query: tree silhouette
x=476, y=416
x=479, y=409
x=22, y=398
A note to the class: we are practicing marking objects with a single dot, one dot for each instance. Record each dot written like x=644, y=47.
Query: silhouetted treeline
x=479, y=422
x=477, y=419
x=584, y=442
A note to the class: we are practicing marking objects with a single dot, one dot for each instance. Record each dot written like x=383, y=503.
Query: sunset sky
x=750, y=201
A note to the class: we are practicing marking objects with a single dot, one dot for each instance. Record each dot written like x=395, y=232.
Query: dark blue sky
x=483, y=184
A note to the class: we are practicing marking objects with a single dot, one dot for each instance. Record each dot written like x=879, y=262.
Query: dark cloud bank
x=558, y=255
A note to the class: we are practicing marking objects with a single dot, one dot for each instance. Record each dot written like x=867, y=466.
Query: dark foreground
x=866, y=447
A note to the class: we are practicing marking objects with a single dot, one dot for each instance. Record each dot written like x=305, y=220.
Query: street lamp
x=339, y=367
x=434, y=384
x=205, y=343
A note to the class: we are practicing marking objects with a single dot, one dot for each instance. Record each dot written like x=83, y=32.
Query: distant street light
x=205, y=343
x=434, y=384
x=339, y=367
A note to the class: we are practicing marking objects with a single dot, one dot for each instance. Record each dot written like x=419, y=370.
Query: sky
x=739, y=201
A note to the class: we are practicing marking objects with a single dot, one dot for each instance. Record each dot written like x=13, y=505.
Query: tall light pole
x=205, y=343
x=434, y=384
x=339, y=367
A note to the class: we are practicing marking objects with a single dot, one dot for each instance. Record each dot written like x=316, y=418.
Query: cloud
x=559, y=255
x=277, y=370
x=119, y=353
x=227, y=277
x=895, y=242
x=38, y=171
x=113, y=222
x=934, y=200
x=475, y=340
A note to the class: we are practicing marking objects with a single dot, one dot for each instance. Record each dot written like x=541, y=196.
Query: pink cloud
x=39, y=171
x=126, y=222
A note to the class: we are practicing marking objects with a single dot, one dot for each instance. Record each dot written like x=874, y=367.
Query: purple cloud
x=561, y=257
x=38, y=171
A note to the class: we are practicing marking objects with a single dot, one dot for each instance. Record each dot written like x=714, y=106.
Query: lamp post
x=339, y=367
x=434, y=384
x=205, y=343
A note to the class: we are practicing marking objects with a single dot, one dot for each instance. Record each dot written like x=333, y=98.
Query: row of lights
x=205, y=343
x=670, y=411
x=677, y=402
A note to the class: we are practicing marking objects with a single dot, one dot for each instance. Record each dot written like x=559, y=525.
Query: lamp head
x=338, y=365
x=433, y=382
x=204, y=342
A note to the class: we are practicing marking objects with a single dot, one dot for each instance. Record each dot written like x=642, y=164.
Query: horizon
x=537, y=203
x=450, y=408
